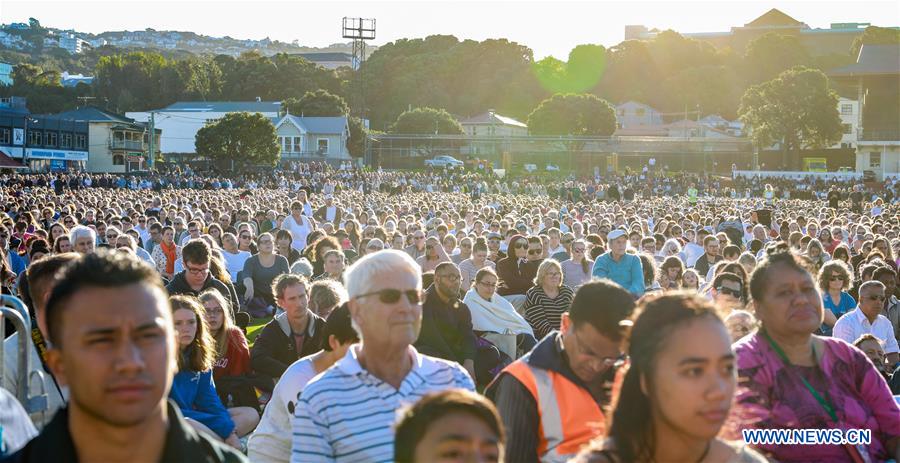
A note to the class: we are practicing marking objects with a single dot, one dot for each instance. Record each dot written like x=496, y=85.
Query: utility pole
x=152, y=136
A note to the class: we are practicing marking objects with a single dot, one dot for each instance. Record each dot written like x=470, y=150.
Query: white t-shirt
x=693, y=251
x=299, y=231
x=235, y=262
x=271, y=442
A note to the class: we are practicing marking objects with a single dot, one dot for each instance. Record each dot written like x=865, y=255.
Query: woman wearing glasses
x=577, y=269
x=546, y=301
x=676, y=392
x=792, y=379
x=494, y=318
x=835, y=279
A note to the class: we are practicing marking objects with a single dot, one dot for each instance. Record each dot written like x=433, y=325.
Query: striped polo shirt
x=347, y=415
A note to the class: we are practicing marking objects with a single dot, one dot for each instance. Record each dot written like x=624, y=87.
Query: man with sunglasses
x=384, y=371
x=417, y=249
x=727, y=292
x=567, y=372
x=446, y=321
x=867, y=318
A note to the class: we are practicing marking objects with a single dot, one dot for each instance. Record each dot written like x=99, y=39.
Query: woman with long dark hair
x=677, y=389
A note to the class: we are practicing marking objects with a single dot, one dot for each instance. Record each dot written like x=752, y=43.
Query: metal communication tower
x=360, y=30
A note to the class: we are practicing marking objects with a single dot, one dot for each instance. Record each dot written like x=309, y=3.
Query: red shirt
x=236, y=360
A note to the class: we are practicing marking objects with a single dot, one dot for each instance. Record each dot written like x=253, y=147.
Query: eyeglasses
x=521, y=245
x=728, y=291
x=245, y=237
x=577, y=250
x=876, y=298
x=534, y=252
x=215, y=310
x=452, y=277
x=605, y=361
x=391, y=296
x=197, y=271
x=486, y=284
x=837, y=277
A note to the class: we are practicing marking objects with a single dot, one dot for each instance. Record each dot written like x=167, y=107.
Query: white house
x=181, y=121
x=631, y=114
x=849, y=112
x=493, y=124
x=715, y=121
x=312, y=138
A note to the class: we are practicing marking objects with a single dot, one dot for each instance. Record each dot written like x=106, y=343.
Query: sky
x=548, y=28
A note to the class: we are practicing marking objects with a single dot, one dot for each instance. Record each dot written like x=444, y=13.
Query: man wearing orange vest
x=550, y=400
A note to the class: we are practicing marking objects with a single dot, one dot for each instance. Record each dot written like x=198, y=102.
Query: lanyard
x=38, y=339
x=822, y=401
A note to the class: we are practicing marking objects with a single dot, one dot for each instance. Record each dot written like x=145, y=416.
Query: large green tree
x=240, y=140
x=573, y=114
x=874, y=35
x=771, y=54
x=579, y=74
x=319, y=103
x=797, y=109
x=358, y=134
x=426, y=121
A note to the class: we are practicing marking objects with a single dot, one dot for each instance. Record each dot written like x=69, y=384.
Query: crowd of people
x=315, y=314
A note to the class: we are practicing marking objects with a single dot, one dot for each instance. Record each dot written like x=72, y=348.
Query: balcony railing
x=880, y=135
x=126, y=145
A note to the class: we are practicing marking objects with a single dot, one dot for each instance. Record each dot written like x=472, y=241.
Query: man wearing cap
x=619, y=266
x=329, y=212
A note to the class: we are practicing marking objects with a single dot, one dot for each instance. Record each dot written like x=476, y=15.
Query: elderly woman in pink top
x=792, y=379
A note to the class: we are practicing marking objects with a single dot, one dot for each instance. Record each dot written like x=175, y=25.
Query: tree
x=427, y=121
x=319, y=103
x=580, y=74
x=772, y=54
x=796, y=109
x=874, y=35
x=358, y=134
x=239, y=138
x=572, y=114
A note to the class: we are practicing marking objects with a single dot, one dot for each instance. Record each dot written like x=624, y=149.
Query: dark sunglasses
x=534, y=252
x=837, y=277
x=521, y=245
x=391, y=296
x=733, y=292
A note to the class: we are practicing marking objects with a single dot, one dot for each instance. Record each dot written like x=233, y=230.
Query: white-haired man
x=347, y=413
x=84, y=239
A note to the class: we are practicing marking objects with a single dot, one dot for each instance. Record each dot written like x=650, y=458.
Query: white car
x=444, y=161
x=552, y=168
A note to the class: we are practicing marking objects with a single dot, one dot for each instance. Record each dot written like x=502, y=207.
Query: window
x=286, y=145
x=4, y=136
x=65, y=140
x=322, y=145
x=118, y=160
x=298, y=144
x=875, y=160
x=34, y=137
x=80, y=141
x=51, y=139
x=848, y=128
x=846, y=109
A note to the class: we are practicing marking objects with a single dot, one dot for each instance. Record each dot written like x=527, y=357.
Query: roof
x=323, y=125
x=224, y=106
x=636, y=103
x=493, y=118
x=323, y=57
x=94, y=114
x=773, y=17
x=7, y=162
x=872, y=60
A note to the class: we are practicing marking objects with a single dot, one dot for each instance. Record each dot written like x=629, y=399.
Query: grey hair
x=870, y=284
x=358, y=278
x=81, y=231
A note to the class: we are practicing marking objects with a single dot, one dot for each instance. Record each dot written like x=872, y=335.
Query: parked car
x=529, y=168
x=444, y=161
x=552, y=168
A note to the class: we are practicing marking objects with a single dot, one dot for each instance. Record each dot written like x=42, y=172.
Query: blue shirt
x=846, y=304
x=195, y=394
x=627, y=272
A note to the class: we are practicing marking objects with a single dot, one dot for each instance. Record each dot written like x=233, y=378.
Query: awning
x=6, y=162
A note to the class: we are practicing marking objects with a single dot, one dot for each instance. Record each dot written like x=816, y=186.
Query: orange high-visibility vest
x=569, y=416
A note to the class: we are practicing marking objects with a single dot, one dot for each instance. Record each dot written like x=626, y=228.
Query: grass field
x=256, y=325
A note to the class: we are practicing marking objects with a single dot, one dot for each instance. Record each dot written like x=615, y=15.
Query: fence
x=797, y=175
x=14, y=310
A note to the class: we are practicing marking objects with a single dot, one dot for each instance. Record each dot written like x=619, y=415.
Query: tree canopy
x=239, y=139
x=427, y=121
x=796, y=109
x=319, y=103
x=573, y=114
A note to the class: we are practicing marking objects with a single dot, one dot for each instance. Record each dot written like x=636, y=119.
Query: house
x=72, y=80
x=313, y=138
x=6, y=70
x=72, y=43
x=874, y=80
x=493, y=124
x=848, y=110
x=330, y=60
x=181, y=121
x=42, y=143
x=632, y=114
x=118, y=143
x=715, y=121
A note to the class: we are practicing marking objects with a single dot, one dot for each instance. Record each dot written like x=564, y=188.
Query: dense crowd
x=319, y=314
